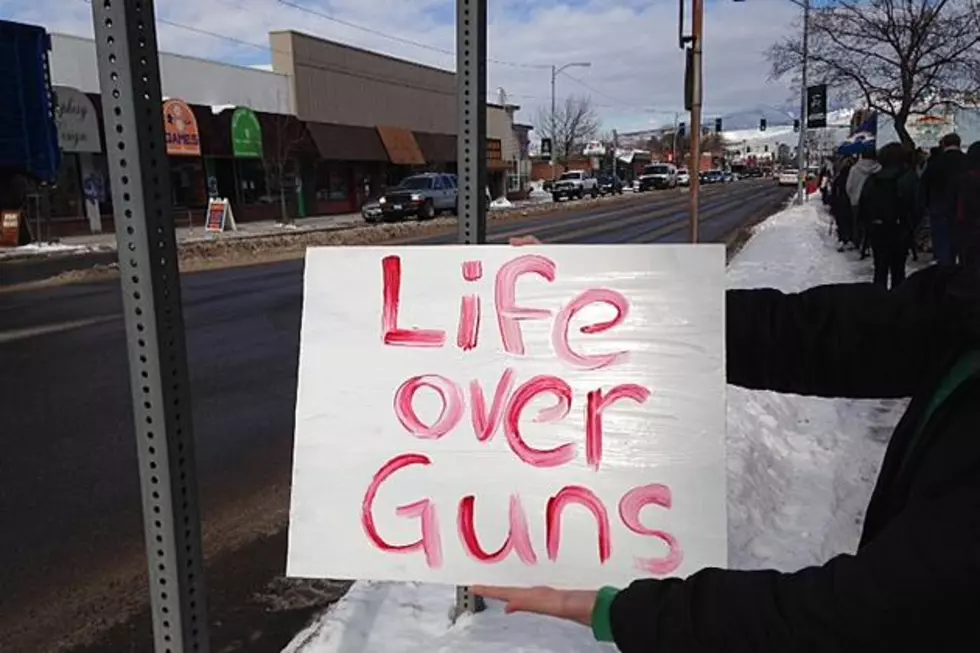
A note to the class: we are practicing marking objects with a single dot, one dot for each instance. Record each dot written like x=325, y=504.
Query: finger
x=497, y=593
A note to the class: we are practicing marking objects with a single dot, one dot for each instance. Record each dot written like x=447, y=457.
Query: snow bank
x=42, y=249
x=800, y=475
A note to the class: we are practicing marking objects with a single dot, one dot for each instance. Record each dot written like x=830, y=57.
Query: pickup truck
x=575, y=184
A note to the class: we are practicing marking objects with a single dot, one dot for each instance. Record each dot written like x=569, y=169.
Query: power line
x=617, y=101
x=398, y=39
x=331, y=67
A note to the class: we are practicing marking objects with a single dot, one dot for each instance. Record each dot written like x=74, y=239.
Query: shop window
x=252, y=187
x=187, y=183
x=333, y=181
x=66, y=194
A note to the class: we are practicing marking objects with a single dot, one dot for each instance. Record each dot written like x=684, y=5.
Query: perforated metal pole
x=471, y=157
x=129, y=79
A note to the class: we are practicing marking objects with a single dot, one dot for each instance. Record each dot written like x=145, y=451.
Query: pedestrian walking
x=968, y=208
x=889, y=206
x=912, y=584
x=864, y=168
x=939, y=193
x=841, y=204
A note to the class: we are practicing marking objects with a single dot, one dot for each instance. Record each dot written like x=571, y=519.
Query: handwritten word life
x=505, y=411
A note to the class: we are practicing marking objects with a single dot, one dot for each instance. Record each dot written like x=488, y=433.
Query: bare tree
x=574, y=122
x=281, y=166
x=898, y=57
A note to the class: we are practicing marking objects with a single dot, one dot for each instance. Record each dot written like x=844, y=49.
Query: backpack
x=888, y=206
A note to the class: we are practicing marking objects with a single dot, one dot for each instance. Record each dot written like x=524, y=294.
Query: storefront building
x=78, y=197
x=330, y=127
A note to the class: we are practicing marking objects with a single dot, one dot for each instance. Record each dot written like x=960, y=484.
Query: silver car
x=421, y=196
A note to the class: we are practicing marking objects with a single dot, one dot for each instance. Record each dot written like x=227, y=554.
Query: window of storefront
x=252, y=181
x=187, y=182
x=66, y=194
x=333, y=181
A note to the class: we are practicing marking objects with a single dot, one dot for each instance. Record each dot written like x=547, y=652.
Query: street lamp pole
x=555, y=71
x=801, y=146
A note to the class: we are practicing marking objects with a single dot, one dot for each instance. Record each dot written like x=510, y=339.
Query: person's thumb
x=519, y=241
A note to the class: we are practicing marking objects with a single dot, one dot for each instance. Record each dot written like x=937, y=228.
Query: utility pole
x=801, y=162
x=555, y=70
x=697, y=31
x=674, y=139
x=615, y=145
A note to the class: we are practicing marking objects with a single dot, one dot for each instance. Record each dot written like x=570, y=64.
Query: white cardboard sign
x=513, y=416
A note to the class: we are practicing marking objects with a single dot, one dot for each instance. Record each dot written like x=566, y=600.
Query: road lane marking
x=32, y=332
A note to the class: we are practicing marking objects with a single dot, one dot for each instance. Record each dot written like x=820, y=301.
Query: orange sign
x=180, y=127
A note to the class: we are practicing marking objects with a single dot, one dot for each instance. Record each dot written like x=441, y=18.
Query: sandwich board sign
x=510, y=416
x=219, y=216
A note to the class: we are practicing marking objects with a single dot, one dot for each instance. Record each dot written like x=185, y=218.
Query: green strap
x=602, y=614
x=964, y=369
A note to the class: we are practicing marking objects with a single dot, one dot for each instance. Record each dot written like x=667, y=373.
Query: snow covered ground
x=41, y=249
x=800, y=475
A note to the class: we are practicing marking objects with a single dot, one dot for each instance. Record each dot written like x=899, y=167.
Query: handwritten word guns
x=505, y=411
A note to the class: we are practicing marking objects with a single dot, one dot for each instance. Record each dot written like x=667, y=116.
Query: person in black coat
x=914, y=582
x=890, y=204
x=938, y=190
x=841, y=204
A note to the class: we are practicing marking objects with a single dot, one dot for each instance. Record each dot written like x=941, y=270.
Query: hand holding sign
x=486, y=415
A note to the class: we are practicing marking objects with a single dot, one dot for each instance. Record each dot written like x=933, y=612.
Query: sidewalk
x=800, y=471
x=106, y=242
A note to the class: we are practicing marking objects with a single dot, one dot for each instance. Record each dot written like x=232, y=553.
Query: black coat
x=939, y=179
x=914, y=583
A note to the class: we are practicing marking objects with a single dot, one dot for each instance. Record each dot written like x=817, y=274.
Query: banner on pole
x=551, y=415
x=816, y=106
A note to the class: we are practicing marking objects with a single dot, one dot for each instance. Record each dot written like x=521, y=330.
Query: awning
x=437, y=148
x=347, y=143
x=402, y=148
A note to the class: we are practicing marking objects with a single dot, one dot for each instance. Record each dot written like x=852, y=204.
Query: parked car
x=421, y=196
x=683, y=177
x=788, y=177
x=658, y=175
x=610, y=185
x=371, y=211
x=453, y=181
x=575, y=184
x=712, y=176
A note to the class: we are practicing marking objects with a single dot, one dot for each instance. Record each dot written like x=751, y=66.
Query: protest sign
x=516, y=416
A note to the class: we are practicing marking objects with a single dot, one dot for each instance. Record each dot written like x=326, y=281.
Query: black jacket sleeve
x=845, y=340
x=912, y=588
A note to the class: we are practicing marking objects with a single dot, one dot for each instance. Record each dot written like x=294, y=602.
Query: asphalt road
x=70, y=526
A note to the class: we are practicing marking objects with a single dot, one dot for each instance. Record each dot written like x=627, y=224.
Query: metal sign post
x=129, y=79
x=471, y=157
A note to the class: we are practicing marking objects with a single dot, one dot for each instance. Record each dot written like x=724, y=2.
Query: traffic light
x=762, y=124
x=681, y=130
x=718, y=125
x=796, y=125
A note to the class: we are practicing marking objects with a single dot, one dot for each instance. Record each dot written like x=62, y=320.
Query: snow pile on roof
x=800, y=475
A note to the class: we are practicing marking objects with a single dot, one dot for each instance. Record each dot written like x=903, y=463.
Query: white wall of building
x=197, y=81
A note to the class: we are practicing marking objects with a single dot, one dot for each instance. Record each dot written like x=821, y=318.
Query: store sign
x=78, y=123
x=490, y=415
x=246, y=134
x=180, y=127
